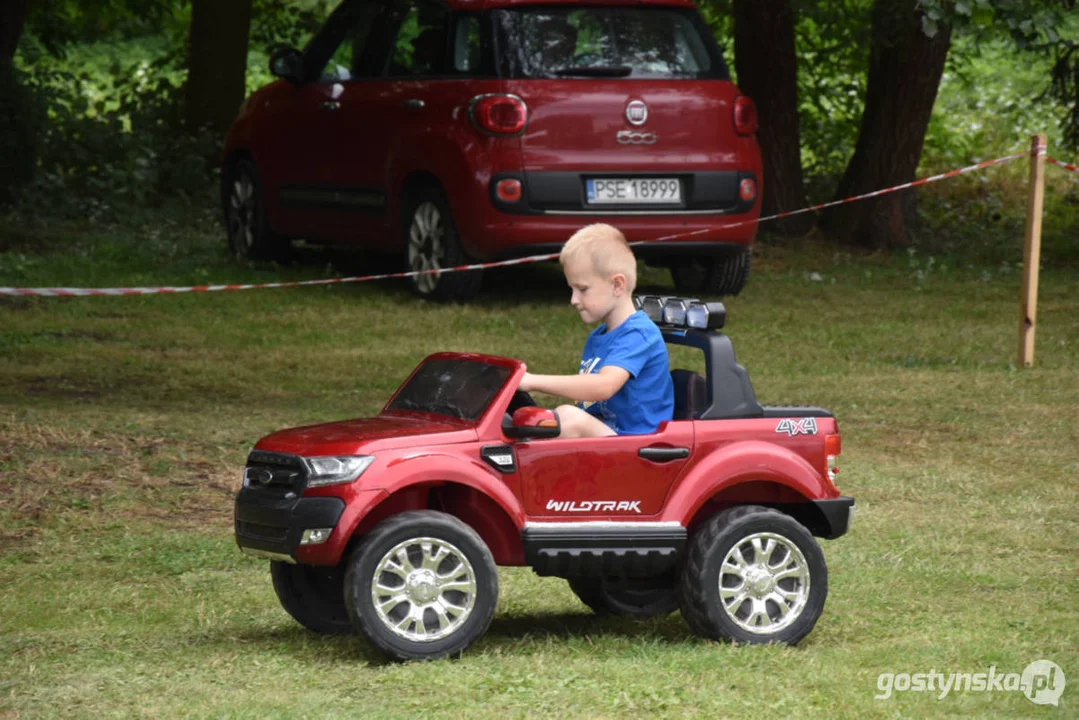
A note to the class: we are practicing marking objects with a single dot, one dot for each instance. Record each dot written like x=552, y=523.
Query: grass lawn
x=125, y=422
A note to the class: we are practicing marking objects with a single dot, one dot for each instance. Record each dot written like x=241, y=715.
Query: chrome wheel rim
x=426, y=246
x=423, y=589
x=242, y=208
x=764, y=583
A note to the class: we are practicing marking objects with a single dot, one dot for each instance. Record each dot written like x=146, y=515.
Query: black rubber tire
x=250, y=236
x=631, y=597
x=712, y=276
x=383, y=538
x=447, y=286
x=699, y=588
x=314, y=596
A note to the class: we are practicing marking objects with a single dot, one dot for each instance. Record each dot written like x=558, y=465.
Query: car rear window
x=606, y=41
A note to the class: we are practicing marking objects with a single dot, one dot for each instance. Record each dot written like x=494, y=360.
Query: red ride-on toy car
x=394, y=525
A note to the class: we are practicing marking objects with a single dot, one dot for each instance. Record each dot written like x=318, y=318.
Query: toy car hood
x=367, y=435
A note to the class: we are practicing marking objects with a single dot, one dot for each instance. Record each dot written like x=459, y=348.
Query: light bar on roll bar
x=676, y=312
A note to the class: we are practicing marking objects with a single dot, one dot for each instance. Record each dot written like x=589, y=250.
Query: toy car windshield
x=458, y=388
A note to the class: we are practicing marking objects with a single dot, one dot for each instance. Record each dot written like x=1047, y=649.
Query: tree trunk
x=905, y=67
x=767, y=72
x=216, y=63
x=12, y=19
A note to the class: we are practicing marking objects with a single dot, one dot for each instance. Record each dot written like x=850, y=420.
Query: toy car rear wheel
x=314, y=596
x=422, y=586
x=753, y=575
x=635, y=597
x=712, y=276
x=432, y=243
x=249, y=233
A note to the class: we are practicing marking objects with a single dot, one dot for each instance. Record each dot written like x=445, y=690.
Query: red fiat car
x=473, y=130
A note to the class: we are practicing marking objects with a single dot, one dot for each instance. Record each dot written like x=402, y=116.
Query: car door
x=319, y=195
x=388, y=114
x=623, y=476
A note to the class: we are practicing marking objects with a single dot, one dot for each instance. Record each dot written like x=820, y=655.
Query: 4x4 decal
x=797, y=426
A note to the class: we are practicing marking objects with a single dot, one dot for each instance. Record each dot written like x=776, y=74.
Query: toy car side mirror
x=287, y=63
x=532, y=422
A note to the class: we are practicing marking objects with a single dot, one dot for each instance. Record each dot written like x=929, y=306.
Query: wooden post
x=1032, y=248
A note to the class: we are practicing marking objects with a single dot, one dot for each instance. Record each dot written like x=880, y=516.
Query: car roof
x=485, y=4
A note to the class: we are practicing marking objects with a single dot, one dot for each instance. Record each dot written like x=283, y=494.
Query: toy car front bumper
x=837, y=514
x=271, y=524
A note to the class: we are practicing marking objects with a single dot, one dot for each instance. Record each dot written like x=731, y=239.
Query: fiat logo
x=636, y=112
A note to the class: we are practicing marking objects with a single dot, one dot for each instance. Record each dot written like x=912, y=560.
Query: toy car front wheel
x=753, y=575
x=314, y=596
x=422, y=586
x=636, y=597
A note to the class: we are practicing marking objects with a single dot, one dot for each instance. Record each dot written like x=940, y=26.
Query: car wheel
x=432, y=243
x=314, y=596
x=249, y=233
x=711, y=276
x=636, y=597
x=422, y=586
x=753, y=575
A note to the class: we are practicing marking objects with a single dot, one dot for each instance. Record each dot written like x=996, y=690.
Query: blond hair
x=606, y=250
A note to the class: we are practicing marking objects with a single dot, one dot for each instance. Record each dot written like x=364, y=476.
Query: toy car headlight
x=653, y=307
x=334, y=470
x=674, y=311
x=706, y=316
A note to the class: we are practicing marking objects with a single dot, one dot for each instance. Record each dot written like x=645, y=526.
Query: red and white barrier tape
x=70, y=292
x=1062, y=164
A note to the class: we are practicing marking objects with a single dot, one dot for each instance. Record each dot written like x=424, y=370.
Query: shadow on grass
x=504, y=632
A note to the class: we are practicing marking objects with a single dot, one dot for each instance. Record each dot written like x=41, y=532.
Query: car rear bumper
x=837, y=515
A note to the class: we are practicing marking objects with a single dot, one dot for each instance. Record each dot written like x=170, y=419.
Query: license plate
x=635, y=191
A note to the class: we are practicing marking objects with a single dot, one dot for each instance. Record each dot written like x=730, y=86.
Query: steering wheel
x=520, y=399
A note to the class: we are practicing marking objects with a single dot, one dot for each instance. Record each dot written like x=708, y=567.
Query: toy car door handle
x=412, y=103
x=330, y=105
x=663, y=454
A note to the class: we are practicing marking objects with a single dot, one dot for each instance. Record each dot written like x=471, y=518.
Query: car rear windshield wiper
x=596, y=71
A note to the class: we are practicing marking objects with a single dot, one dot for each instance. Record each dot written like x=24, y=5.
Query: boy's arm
x=589, y=387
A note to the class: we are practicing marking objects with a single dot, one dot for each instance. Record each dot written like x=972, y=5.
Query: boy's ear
x=618, y=280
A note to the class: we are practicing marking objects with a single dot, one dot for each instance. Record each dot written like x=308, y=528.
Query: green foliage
x=832, y=41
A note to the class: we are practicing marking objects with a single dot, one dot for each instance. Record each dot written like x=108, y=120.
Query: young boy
x=624, y=386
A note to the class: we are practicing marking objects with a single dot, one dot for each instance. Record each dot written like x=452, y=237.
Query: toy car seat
x=690, y=394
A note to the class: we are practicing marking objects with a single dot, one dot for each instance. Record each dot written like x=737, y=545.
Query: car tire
x=314, y=596
x=726, y=595
x=428, y=562
x=250, y=236
x=712, y=276
x=431, y=243
x=633, y=597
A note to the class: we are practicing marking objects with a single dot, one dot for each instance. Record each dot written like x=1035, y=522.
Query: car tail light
x=745, y=116
x=832, y=447
x=499, y=114
x=747, y=189
x=508, y=190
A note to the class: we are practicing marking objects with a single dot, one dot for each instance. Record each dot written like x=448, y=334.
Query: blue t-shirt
x=647, y=398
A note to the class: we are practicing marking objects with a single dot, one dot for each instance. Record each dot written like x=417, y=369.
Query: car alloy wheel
x=423, y=589
x=242, y=214
x=753, y=575
x=422, y=585
x=426, y=245
x=764, y=583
